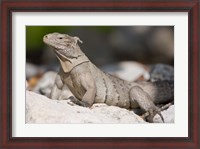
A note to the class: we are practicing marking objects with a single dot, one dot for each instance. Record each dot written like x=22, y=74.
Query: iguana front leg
x=142, y=98
x=59, y=91
x=89, y=85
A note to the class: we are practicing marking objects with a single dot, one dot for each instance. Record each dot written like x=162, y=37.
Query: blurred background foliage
x=34, y=36
x=106, y=44
x=36, y=43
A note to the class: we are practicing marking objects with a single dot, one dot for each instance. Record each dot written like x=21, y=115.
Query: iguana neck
x=68, y=64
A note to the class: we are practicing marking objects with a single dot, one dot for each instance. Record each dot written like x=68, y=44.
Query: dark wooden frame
x=9, y=6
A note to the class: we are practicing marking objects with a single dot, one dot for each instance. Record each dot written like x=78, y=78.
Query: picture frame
x=7, y=7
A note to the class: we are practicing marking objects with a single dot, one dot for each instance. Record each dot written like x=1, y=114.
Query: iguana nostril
x=46, y=36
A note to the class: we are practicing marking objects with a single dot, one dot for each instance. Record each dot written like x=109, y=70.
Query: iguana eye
x=60, y=38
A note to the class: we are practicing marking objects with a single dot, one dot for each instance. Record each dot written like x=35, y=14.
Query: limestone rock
x=32, y=70
x=168, y=116
x=128, y=70
x=45, y=84
x=40, y=110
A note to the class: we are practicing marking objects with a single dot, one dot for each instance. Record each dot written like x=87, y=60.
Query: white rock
x=32, y=70
x=168, y=116
x=40, y=109
x=45, y=84
x=127, y=70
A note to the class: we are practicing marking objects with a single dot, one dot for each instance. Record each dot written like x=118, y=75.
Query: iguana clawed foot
x=148, y=116
x=151, y=113
x=78, y=102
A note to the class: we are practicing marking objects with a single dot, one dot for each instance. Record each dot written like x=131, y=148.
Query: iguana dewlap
x=91, y=85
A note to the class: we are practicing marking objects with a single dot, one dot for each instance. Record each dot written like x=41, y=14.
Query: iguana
x=91, y=85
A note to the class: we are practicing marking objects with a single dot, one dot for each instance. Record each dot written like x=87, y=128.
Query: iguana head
x=66, y=49
x=64, y=45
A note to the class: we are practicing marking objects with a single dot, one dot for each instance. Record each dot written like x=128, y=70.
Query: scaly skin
x=90, y=85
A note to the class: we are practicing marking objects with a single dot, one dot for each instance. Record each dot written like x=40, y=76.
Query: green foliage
x=34, y=34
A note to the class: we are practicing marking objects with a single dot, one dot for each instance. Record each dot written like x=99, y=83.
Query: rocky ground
x=41, y=109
